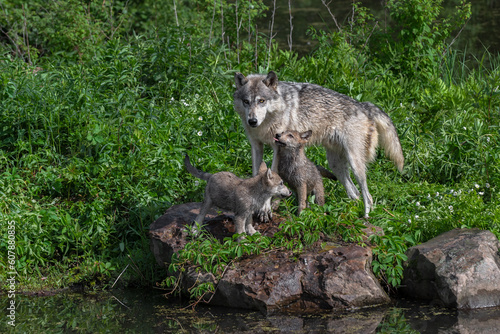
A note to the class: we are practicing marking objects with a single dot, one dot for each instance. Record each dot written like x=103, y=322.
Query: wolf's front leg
x=264, y=214
x=257, y=156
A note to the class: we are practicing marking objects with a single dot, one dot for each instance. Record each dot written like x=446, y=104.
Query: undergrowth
x=92, y=134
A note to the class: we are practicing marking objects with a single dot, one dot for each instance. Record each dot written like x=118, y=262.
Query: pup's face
x=292, y=139
x=275, y=184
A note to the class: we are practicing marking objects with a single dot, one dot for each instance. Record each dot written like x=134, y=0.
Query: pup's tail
x=195, y=172
x=388, y=137
x=326, y=173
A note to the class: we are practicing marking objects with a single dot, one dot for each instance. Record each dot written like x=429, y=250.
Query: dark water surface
x=481, y=32
x=148, y=311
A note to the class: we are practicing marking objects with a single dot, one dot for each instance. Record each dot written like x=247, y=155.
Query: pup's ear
x=262, y=167
x=240, y=80
x=269, y=174
x=271, y=80
x=306, y=135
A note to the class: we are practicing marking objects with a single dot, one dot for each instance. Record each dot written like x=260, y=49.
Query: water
x=480, y=34
x=148, y=311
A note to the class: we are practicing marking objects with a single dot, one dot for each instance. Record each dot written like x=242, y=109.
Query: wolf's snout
x=252, y=122
x=278, y=136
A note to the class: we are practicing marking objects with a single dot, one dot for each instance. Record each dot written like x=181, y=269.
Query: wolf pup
x=241, y=196
x=297, y=170
x=349, y=130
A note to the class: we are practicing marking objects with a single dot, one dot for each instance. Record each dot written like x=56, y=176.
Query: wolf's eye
x=281, y=183
x=262, y=101
x=291, y=136
x=246, y=102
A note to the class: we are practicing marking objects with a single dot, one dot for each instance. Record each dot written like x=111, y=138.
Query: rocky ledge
x=458, y=269
x=332, y=277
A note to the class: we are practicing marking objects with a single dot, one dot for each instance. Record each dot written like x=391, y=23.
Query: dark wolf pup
x=349, y=130
x=297, y=170
x=241, y=196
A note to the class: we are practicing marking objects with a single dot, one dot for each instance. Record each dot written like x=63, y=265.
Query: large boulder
x=459, y=268
x=335, y=276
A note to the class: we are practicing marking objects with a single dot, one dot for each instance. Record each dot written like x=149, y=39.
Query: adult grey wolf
x=297, y=170
x=349, y=130
x=241, y=196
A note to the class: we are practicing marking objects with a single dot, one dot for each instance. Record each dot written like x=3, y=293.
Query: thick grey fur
x=349, y=130
x=241, y=196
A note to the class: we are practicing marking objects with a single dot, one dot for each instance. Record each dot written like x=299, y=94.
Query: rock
x=331, y=277
x=459, y=268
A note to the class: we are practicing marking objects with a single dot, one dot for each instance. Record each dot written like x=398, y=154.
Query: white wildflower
x=451, y=208
x=437, y=194
x=200, y=118
x=488, y=139
x=200, y=133
x=196, y=183
x=487, y=185
x=428, y=196
x=416, y=216
x=418, y=203
x=465, y=128
x=477, y=186
x=481, y=193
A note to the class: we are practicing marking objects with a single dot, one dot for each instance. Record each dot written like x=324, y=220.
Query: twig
x=256, y=46
x=271, y=34
x=237, y=33
x=388, y=212
x=120, y=275
x=120, y=302
x=455, y=38
x=175, y=12
x=291, y=24
x=212, y=23
x=366, y=42
x=331, y=14
x=25, y=36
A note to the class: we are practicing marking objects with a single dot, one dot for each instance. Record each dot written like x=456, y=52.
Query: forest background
x=100, y=100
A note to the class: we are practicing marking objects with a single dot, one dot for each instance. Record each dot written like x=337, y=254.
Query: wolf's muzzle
x=253, y=122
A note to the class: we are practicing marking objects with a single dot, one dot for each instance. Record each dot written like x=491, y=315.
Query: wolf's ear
x=269, y=174
x=240, y=80
x=271, y=80
x=262, y=167
x=306, y=135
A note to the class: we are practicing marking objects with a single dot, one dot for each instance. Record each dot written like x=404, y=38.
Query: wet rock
x=459, y=268
x=331, y=277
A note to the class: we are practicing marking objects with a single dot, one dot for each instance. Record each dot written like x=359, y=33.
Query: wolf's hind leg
x=358, y=165
x=340, y=167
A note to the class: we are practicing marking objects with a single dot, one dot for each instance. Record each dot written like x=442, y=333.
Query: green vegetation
x=96, y=116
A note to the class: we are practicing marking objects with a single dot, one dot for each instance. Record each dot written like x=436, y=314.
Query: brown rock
x=459, y=268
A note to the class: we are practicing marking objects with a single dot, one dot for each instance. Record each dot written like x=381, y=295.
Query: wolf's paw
x=264, y=215
x=251, y=230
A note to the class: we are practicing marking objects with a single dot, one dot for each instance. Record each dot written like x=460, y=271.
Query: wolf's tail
x=195, y=172
x=326, y=173
x=388, y=137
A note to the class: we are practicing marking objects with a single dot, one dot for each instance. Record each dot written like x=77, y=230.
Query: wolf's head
x=272, y=182
x=254, y=96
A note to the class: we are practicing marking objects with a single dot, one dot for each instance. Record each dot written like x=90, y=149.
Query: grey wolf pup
x=297, y=170
x=241, y=196
x=349, y=130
